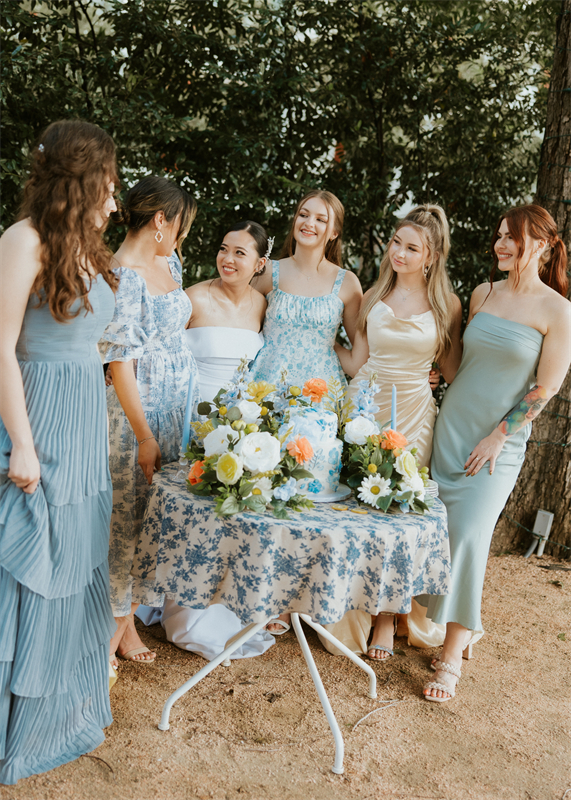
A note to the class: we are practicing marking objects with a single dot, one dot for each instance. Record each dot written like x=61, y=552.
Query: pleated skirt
x=56, y=619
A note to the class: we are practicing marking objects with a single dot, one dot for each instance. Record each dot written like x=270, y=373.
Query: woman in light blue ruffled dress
x=151, y=366
x=309, y=296
x=55, y=487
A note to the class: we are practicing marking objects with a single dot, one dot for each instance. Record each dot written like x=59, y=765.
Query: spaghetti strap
x=338, y=281
x=275, y=275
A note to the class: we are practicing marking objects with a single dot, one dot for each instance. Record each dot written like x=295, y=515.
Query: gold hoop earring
x=159, y=237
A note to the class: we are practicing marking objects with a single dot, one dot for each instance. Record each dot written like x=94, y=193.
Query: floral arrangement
x=237, y=453
x=375, y=462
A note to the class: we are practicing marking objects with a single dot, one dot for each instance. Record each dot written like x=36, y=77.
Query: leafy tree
x=250, y=104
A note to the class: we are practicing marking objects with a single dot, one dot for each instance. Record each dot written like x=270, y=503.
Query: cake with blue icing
x=319, y=427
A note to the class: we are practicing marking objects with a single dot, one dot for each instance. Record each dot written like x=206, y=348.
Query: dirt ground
x=256, y=731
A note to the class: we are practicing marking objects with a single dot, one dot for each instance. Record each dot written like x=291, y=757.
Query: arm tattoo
x=526, y=410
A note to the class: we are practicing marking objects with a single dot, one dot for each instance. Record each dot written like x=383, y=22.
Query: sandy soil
x=256, y=731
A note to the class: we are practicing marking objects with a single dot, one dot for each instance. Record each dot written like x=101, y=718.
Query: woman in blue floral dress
x=309, y=295
x=150, y=364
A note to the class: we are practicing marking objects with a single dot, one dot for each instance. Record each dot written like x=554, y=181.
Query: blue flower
x=315, y=486
x=286, y=491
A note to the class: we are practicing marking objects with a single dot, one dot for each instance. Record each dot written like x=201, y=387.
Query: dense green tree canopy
x=249, y=104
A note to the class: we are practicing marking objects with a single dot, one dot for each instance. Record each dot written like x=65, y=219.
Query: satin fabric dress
x=401, y=352
x=56, y=619
x=218, y=352
x=498, y=369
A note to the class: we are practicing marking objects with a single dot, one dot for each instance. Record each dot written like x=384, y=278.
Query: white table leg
x=337, y=767
x=235, y=643
x=349, y=653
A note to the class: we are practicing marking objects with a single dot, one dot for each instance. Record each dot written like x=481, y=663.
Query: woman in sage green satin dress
x=517, y=350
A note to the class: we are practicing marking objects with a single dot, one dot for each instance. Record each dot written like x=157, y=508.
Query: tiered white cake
x=320, y=428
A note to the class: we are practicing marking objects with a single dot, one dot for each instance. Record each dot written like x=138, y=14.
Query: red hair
x=539, y=224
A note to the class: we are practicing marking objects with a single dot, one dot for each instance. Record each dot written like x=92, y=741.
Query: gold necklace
x=410, y=291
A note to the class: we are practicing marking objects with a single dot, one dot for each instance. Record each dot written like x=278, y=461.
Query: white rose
x=260, y=452
x=406, y=464
x=357, y=430
x=250, y=411
x=216, y=442
x=415, y=484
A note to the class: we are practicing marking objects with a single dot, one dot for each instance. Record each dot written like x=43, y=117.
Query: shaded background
x=250, y=103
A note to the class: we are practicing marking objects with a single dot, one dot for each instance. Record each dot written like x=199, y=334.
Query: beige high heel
x=467, y=652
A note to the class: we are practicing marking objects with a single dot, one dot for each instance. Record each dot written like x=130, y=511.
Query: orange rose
x=393, y=440
x=315, y=389
x=300, y=449
x=195, y=472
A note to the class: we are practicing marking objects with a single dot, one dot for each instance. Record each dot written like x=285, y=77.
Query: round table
x=317, y=565
x=320, y=562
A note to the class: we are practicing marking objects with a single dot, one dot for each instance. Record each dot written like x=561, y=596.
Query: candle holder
x=182, y=473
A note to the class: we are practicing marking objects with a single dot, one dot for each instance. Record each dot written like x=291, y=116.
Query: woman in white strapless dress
x=223, y=329
x=408, y=319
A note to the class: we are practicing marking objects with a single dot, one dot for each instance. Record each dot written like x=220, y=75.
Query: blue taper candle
x=187, y=414
x=394, y=409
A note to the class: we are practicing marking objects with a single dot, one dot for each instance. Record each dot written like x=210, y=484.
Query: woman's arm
x=125, y=384
x=353, y=360
x=551, y=371
x=451, y=361
x=352, y=295
x=19, y=267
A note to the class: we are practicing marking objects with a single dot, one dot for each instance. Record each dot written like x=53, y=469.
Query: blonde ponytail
x=431, y=223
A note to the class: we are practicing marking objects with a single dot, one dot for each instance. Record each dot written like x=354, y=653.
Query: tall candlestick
x=187, y=414
x=394, y=409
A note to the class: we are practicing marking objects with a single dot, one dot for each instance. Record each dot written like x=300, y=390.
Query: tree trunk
x=545, y=480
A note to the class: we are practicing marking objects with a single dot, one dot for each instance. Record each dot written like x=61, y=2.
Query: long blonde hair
x=430, y=222
x=333, y=248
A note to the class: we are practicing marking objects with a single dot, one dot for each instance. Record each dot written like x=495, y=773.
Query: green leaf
x=384, y=502
x=386, y=470
x=354, y=480
x=234, y=414
x=229, y=506
x=299, y=472
x=561, y=637
x=255, y=503
x=204, y=408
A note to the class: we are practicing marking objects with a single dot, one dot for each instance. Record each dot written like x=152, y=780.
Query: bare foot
x=381, y=646
x=131, y=640
x=275, y=627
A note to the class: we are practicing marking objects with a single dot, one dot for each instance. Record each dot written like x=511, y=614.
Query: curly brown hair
x=69, y=177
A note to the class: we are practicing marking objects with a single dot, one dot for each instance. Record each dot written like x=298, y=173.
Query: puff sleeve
x=133, y=325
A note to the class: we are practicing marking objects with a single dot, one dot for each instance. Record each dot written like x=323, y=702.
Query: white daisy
x=372, y=488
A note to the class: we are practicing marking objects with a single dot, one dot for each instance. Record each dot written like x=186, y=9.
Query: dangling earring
x=425, y=269
x=158, y=237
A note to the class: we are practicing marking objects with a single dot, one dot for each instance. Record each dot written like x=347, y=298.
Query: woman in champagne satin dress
x=408, y=320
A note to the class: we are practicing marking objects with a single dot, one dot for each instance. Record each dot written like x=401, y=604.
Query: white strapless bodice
x=218, y=351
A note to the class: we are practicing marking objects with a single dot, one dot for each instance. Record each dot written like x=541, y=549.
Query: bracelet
x=146, y=440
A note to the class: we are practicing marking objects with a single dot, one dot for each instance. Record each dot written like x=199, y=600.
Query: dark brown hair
x=539, y=224
x=333, y=248
x=153, y=194
x=258, y=234
x=70, y=172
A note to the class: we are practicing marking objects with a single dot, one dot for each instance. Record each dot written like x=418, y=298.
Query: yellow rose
x=229, y=469
x=295, y=391
x=406, y=464
x=260, y=389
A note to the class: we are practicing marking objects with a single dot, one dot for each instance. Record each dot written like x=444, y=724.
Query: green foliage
x=249, y=104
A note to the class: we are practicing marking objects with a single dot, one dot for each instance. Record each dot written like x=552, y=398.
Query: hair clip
x=271, y=241
x=41, y=148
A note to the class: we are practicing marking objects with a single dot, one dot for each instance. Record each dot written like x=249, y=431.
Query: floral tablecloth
x=320, y=562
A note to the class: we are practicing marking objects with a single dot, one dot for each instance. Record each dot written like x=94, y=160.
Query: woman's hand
x=486, y=450
x=150, y=458
x=434, y=379
x=24, y=469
